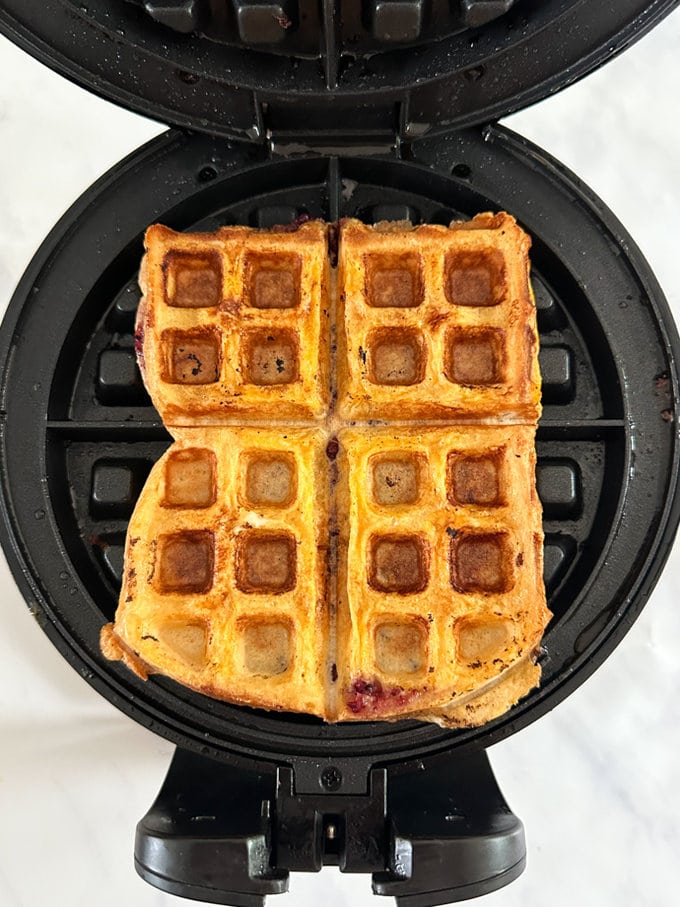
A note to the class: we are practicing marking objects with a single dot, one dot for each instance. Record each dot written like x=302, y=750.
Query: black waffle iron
x=288, y=109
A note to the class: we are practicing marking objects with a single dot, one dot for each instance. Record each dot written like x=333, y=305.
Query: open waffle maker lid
x=292, y=71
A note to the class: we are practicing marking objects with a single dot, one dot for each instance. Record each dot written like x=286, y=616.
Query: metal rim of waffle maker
x=301, y=793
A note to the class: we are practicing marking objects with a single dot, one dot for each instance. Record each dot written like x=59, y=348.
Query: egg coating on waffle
x=346, y=524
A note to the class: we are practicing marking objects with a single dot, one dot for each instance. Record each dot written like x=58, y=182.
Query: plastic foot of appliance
x=434, y=834
x=453, y=836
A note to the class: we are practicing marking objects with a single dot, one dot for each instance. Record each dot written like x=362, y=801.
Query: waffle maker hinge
x=232, y=835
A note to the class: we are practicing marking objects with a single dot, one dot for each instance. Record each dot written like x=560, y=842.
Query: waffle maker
x=381, y=110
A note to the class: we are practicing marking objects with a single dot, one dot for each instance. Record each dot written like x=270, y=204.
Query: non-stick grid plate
x=607, y=441
x=361, y=66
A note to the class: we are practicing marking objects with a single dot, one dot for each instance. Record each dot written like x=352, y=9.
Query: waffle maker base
x=413, y=804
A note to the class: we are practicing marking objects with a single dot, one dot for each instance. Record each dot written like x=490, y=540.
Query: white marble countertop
x=597, y=782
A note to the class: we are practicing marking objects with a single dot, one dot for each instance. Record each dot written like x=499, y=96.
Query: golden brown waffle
x=438, y=580
x=234, y=325
x=439, y=322
x=347, y=523
x=225, y=559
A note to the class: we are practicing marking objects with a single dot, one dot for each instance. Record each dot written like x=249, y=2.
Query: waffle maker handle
x=232, y=835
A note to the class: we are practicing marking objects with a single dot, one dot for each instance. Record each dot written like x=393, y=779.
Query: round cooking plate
x=607, y=450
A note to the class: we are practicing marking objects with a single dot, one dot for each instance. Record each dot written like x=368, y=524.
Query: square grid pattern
x=436, y=326
x=425, y=601
x=235, y=325
x=248, y=593
x=409, y=532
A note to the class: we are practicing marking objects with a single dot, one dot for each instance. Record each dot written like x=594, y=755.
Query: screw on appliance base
x=229, y=835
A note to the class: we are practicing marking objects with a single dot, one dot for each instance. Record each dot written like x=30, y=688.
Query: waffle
x=439, y=323
x=235, y=325
x=221, y=592
x=347, y=523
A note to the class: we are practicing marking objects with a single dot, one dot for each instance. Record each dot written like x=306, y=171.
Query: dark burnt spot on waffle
x=332, y=448
x=396, y=477
x=265, y=561
x=270, y=479
x=481, y=639
x=476, y=479
x=190, y=478
x=474, y=356
x=475, y=278
x=396, y=356
x=187, y=640
x=193, y=281
x=273, y=281
x=185, y=562
x=398, y=563
x=333, y=238
x=270, y=357
x=231, y=306
x=192, y=357
x=532, y=346
x=436, y=320
x=266, y=646
x=481, y=562
x=393, y=281
x=400, y=646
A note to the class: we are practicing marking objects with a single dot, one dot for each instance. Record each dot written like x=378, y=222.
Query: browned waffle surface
x=347, y=523
x=441, y=560
x=235, y=325
x=438, y=323
x=225, y=568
